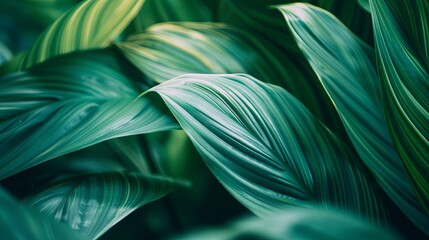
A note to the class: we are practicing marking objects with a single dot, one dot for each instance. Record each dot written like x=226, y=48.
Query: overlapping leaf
x=302, y=224
x=346, y=68
x=67, y=104
x=18, y=221
x=169, y=50
x=402, y=44
x=265, y=147
x=93, y=23
x=92, y=204
x=118, y=155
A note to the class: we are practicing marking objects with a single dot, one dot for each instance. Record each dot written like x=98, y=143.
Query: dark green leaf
x=402, y=45
x=93, y=204
x=21, y=222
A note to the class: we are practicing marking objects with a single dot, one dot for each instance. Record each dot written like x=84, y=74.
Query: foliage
x=314, y=116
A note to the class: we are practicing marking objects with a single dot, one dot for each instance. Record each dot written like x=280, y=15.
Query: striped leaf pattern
x=266, y=148
x=103, y=21
x=18, y=221
x=92, y=204
x=45, y=112
x=346, y=68
x=402, y=47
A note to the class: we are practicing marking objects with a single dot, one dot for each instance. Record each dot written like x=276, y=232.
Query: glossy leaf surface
x=265, y=147
x=346, y=68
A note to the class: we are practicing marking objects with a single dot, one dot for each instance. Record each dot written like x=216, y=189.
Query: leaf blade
x=346, y=68
x=66, y=33
x=46, y=113
x=92, y=204
x=401, y=37
x=267, y=156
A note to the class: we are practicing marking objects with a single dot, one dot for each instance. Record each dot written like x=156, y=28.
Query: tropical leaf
x=54, y=109
x=119, y=155
x=157, y=11
x=365, y=5
x=18, y=221
x=266, y=148
x=295, y=223
x=346, y=68
x=168, y=50
x=93, y=204
x=103, y=20
x=402, y=46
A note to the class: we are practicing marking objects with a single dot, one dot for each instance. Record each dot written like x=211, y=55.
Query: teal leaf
x=346, y=68
x=18, y=221
x=92, y=204
x=266, y=148
x=402, y=46
x=294, y=223
x=118, y=155
x=67, y=104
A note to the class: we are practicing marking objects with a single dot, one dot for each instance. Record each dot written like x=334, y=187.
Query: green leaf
x=266, y=148
x=119, y=154
x=18, y=221
x=402, y=47
x=156, y=11
x=346, y=68
x=168, y=50
x=365, y=5
x=93, y=204
x=5, y=53
x=295, y=223
x=91, y=24
x=69, y=103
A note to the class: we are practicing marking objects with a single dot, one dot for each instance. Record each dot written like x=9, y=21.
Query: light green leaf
x=67, y=104
x=346, y=68
x=168, y=50
x=18, y=221
x=92, y=204
x=266, y=148
x=297, y=224
x=402, y=45
x=91, y=24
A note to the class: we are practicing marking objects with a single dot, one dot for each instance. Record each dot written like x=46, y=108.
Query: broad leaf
x=346, y=68
x=168, y=50
x=91, y=24
x=18, y=221
x=266, y=148
x=93, y=204
x=314, y=224
x=402, y=44
x=67, y=104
